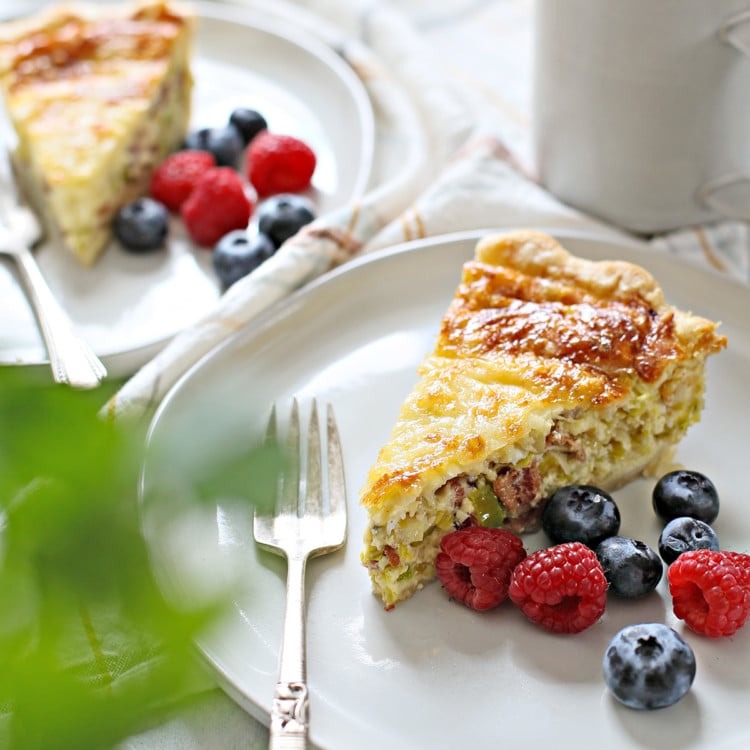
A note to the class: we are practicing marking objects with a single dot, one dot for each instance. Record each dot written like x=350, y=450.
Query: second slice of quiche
x=548, y=370
x=98, y=95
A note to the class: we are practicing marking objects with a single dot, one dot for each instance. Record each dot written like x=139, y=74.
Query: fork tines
x=308, y=494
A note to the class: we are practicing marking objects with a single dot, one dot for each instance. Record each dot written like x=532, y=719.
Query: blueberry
x=282, y=216
x=225, y=143
x=683, y=534
x=248, y=122
x=632, y=568
x=580, y=513
x=648, y=666
x=142, y=225
x=686, y=493
x=238, y=253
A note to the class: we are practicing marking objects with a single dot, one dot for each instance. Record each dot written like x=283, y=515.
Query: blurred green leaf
x=90, y=649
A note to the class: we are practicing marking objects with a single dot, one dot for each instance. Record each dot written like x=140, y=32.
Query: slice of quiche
x=98, y=95
x=548, y=370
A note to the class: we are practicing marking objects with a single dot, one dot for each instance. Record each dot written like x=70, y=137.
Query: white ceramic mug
x=642, y=109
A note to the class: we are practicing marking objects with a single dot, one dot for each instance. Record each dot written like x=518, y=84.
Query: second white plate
x=128, y=306
x=431, y=673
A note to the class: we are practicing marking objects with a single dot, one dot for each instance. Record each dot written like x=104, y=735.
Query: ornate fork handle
x=72, y=360
x=289, y=712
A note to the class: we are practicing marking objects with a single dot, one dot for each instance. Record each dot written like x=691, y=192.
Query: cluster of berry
x=710, y=587
x=564, y=587
x=215, y=194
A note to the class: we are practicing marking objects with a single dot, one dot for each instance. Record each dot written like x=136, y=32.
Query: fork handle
x=289, y=713
x=72, y=360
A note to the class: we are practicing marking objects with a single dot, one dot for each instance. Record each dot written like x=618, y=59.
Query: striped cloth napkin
x=439, y=167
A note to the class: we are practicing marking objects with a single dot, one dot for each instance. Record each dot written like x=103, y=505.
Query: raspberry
x=279, y=164
x=562, y=588
x=742, y=561
x=476, y=563
x=175, y=177
x=217, y=205
x=711, y=591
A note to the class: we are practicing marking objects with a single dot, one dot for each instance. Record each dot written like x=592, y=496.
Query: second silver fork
x=72, y=360
x=301, y=526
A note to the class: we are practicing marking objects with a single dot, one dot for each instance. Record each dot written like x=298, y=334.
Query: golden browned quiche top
x=65, y=44
x=531, y=330
x=525, y=296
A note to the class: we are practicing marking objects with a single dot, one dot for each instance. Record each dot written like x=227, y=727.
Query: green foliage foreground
x=90, y=649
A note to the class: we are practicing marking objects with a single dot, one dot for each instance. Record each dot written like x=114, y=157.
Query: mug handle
x=715, y=195
x=735, y=31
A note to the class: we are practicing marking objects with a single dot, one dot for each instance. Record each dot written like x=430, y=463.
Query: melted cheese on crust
x=538, y=349
x=98, y=96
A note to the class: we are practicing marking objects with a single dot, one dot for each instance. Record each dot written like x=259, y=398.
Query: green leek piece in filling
x=487, y=507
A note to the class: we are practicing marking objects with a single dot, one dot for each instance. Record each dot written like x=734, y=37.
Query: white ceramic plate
x=431, y=673
x=127, y=306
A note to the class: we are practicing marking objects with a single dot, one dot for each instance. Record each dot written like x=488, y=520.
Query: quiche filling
x=579, y=448
x=539, y=379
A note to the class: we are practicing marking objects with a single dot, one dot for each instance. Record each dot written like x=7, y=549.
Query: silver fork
x=301, y=526
x=72, y=360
